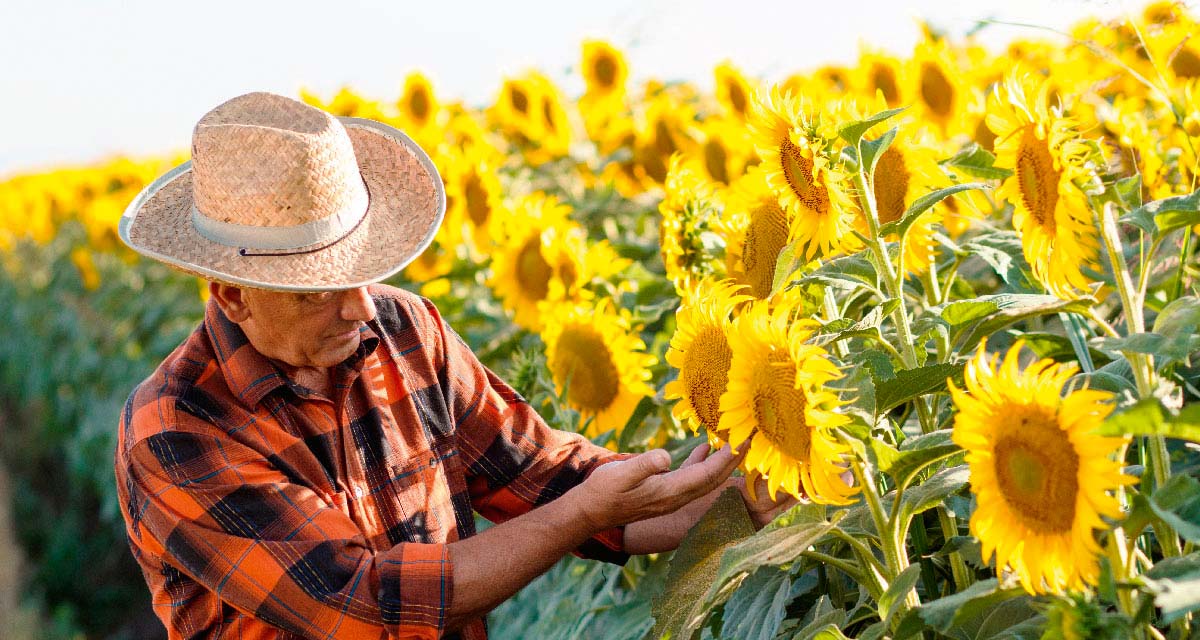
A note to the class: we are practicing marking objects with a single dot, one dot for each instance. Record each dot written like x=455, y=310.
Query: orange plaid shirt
x=258, y=508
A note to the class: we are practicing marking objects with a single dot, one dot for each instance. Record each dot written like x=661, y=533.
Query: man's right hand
x=643, y=487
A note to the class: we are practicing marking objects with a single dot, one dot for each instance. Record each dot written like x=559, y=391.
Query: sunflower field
x=948, y=300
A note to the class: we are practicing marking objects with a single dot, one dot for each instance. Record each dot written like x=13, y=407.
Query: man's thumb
x=652, y=462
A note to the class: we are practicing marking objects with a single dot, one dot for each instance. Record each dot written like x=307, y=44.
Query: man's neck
x=319, y=380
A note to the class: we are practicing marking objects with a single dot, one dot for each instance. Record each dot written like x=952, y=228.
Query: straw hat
x=281, y=195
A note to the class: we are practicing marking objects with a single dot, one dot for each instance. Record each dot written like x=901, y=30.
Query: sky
x=86, y=80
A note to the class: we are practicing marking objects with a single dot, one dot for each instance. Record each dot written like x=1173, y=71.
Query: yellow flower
x=700, y=351
x=810, y=188
x=689, y=221
x=604, y=69
x=546, y=259
x=664, y=132
x=81, y=257
x=598, y=361
x=936, y=83
x=756, y=231
x=727, y=149
x=1051, y=213
x=734, y=91
x=879, y=73
x=776, y=404
x=1042, y=479
x=906, y=171
x=418, y=106
x=472, y=197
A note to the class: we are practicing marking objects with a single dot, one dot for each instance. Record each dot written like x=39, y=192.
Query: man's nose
x=358, y=305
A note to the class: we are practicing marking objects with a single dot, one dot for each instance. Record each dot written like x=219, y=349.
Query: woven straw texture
x=314, y=175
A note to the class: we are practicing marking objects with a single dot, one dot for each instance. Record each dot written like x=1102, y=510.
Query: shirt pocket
x=421, y=496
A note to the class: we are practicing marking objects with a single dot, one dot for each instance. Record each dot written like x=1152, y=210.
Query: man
x=307, y=462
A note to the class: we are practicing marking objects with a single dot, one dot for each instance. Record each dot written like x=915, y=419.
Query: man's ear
x=231, y=300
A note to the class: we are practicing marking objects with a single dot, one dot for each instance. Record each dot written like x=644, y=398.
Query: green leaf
x=977, y=162
x=1166, y=215
x=935, y=490
x=828, y=632
x=679, y=610
x=759, y=605
x=769, y=548
x=898, y=590
x=1148, y=417
x=1168, y=349
x=1017, y=307
x=923, y=204
x=1129, y=190
x=868, y=325
x=1175, y=583
x=785, y=265
x=1002, y=251
x=913, y=383
x=910, y=463
x=1181, y=315
x=853, y=131
x=847, y=272
x=872, y=150
x=1178, y=504
x=944, y=614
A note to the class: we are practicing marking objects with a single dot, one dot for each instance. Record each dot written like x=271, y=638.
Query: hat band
x=327, y=229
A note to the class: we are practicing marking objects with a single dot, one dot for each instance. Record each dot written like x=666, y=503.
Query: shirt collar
x=250, y=375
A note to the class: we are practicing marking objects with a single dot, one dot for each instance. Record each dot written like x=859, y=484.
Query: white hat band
x=327, y=229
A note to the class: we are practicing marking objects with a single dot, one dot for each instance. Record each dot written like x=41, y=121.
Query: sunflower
x=936, y=83
x=553, y=137
x=597, y=360
x=700, y=351
x=546, y=258
x=810, y=187
x=417, y=105
x=906, y=171
x=1041, y=477
x=756, y=231
x=663, y=133
x=726, y=151
x=1051, y=213
x=604, y=69
x=776, y=404
x=472, y=195
x=734, y=91
x=880, y=74
x=690, y=218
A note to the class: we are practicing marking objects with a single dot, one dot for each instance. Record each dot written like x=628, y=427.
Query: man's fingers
x=650, y=463
x=697, y=454
x=699, y=478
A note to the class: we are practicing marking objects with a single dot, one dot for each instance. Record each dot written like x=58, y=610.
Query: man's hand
x=643, y=487
x=664, y=533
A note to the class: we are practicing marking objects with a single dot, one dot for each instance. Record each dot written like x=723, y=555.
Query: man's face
x=315, y=330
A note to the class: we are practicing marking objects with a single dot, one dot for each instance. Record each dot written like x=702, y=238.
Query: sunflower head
x=936, y=84
x=598, y=362
x=1042, y=478
x=472, y=195
x=417, y=105
x=1050, y=162
x=795, y=145
x=734, y=91
x=776, y=405
x=690, y=214
x=700, y=352
x=604, y=69
x=756, y=230
x=880, y=74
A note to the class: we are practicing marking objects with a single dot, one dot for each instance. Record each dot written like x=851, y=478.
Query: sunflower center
x=418, y=105
x=533, y=272
x=983, y=135
x=584, y=361
x=1037, y=470
x=936, y=91
x=705, y=374
x=883, y=79
x=605, y=70
x=779, y=407
x=1037, y=177
x=519, y=100
x=548, y=114
x=714, y=159
x=1186, y=63
x=766, y=236
x=798, y=171
x=476, y=196
x=664, y=142
x=891, y=183
x=737, y=98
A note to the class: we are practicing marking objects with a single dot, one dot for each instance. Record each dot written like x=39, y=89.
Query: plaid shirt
x=258, y=508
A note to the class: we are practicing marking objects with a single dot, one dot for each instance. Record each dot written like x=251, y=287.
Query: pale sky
x=85, y=80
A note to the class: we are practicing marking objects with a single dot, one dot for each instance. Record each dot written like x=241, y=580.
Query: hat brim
x=407, y=203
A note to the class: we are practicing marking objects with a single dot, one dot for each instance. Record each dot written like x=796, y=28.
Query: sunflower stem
x=1183, y=256
x=958, y=566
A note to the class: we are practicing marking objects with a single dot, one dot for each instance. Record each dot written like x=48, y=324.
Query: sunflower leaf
x=847, y=272
x=912, y=383
x=759, y=606
x=785, y=265
x=1179, y=316
x=680, y=609
x=1017, y=307
x=872, y=150
x=1169, y=349
x=1166, y=215
x=947, y=613
x=1148, y=417
x=935, y=490
x=852, y=132
x=1175, y=583
x=925, y=203
x=977, y=162
x=898, y=590
x=1002, y=251
x=908, y=464
x=1178, y=504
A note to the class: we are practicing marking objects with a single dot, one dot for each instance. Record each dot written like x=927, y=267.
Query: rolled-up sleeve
x=221, y=513
x=514, y=460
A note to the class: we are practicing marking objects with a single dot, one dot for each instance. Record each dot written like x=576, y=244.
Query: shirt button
x=358, y=492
